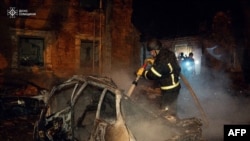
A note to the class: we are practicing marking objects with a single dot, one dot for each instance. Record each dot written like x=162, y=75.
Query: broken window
x=108, y=107
x=62, y=97
x=89, y=56
x=31, y=51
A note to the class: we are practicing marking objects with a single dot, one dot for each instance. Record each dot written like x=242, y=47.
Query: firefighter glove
x=140, y=71
x=149, y=61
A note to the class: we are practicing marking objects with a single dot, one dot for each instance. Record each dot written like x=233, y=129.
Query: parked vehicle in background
x=93, y=108
x=18, y=115
x=20, y=106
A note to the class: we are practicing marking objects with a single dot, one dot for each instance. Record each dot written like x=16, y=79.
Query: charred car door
x=109, y=124
x=55, y=119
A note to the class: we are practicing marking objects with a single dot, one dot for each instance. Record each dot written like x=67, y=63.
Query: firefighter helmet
x=154, y=44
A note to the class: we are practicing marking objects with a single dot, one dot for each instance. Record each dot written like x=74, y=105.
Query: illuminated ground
x=222, y=101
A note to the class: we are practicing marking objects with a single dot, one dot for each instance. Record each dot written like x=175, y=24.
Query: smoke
x=152, y=131
x=213, y=89
x=123, y=79
x=221, y=105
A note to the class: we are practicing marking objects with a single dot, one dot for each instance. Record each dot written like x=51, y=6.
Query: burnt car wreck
x=91, y=108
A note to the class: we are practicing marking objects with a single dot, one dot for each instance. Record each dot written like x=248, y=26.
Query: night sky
x=173, y=18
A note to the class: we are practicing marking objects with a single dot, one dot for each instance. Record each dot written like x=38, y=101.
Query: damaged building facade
x=49, y=38
x=44, y=39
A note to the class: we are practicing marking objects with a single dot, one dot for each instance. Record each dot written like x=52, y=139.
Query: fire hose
x=203, y=114
x=185, y=81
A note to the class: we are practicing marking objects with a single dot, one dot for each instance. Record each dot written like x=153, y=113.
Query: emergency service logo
x=12, y=12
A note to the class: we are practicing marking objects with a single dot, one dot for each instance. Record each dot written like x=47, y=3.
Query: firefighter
x=165, y=70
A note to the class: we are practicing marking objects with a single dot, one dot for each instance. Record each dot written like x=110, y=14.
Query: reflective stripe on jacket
x=165, y=70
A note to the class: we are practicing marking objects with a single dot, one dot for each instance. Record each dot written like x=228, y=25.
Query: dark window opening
x=89, y=56
x=31, y=51
x=108, y=107
x=89, y=5
x=85, y=111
